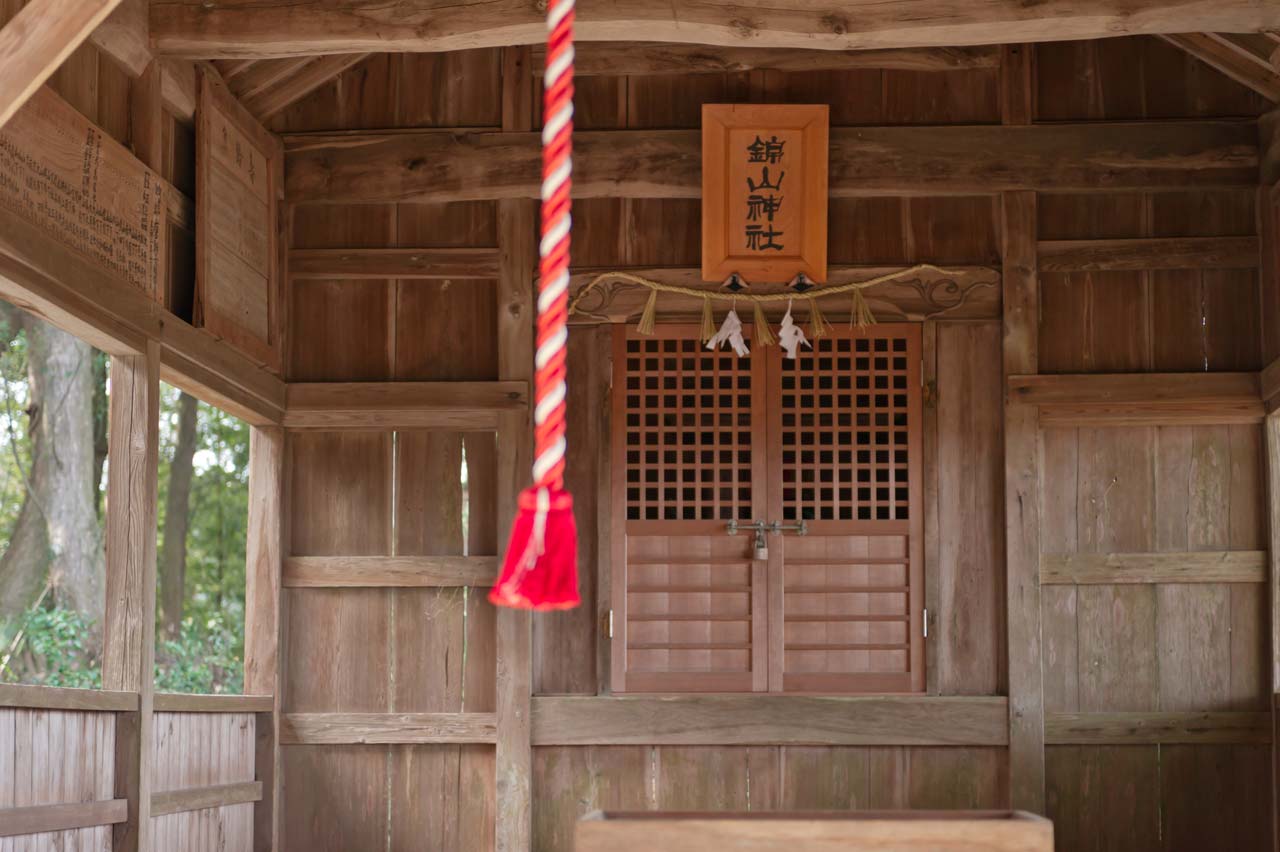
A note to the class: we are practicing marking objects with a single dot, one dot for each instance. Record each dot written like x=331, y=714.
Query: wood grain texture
x=1225, y=57
x=41, y=819
x=593, y=59
x=247, y=29
x=1151, y=728
x=319, y=572
x=59, y=698
x=1149, y=253
x=398, y=263
x=204, y=798
x=867, y=161
x=740, y=720
x=387, y=728
x=1135, y=388
x=38, y=39
x=333, y=406
x=1230, y=566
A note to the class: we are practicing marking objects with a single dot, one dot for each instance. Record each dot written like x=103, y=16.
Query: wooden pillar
x=517, y=256
x=262, y=620
x=1022, y=460
x=129, y=637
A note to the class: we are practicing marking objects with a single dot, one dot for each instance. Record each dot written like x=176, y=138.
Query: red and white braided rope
x=553, y=291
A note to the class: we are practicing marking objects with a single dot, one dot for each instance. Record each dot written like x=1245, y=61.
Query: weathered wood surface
x=782, y=720
x=387, y=728
x=181, y=702
x=82, y=188
x=1229, y=566
x=867, y=161
x=864, y=832
x=57, y=698
x=401, y=405
x=1152, y=728
x=1148, y=254
x=38, y=39
x=334, y=572
x=1121, y=388
x=247, y=29
x=43, y=819
x=204, y=798
x=593, y=59
x=1195, y=413
x=399, y=263
x=966, y=293
x=1228, y=57
x=299, y=82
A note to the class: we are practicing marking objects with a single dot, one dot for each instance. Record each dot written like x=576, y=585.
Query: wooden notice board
x=65, y=176
x=239, y=172
x=764, y=191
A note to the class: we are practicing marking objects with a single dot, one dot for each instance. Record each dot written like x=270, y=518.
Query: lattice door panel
x=690, y=428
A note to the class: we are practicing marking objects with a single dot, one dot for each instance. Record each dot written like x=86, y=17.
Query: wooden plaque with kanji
x=764, y=192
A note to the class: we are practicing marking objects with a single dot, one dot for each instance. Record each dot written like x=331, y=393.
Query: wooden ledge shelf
x=203, y=798
x=405, y=572
x=387, y=728
x=48, y=818
x=1152, y=728
x=1148, y=254
x=396, y=263
x=60, y=698
x=459, y=406
x=770, y=720
x=1084, y=569
x=175, y=702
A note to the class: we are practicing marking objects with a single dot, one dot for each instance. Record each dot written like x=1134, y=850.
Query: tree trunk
x=173, y=549
x=61, y=373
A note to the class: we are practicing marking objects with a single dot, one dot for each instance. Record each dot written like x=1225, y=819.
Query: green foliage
x=207, y=658
x=59, y=647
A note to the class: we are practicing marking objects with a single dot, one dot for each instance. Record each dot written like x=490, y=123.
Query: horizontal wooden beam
x=202, y=798
x=1222, y=413
x=387, y=728
x=1229, y=566
x=642, y=59
x=395, y=263
x=1152, y=728
x=965, y=293
x=1147, y=254
x=243, y=28
x=61, y=698
x=771, y=720
x=176, y=702
x=41, y=819
x=297, y=85
x=1133, y=388
x=455, y=165
x=455, y=406
x=406, y=572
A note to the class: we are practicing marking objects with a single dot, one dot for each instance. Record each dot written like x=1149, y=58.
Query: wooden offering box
x=852, y=831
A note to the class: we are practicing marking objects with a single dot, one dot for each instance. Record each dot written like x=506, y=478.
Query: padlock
x=761, y=548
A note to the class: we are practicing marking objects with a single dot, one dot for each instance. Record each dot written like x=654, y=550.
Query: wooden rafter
x=267, y=86
x=36, y=42
x=243, y=28
x=1246, y=58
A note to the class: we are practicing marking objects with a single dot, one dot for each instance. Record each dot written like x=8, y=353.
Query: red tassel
x=541, y=567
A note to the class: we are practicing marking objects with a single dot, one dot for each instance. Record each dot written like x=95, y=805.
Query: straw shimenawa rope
x=861, y=311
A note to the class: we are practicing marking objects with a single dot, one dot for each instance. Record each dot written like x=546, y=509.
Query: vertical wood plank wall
x=1201, y=647
x=195, y=750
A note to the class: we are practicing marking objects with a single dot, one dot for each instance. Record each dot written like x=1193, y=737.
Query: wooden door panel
x=689, y=600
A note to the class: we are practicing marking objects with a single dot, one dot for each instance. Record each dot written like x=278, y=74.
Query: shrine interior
x=971, y=528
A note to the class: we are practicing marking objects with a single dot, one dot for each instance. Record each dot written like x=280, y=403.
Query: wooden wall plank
x=1226, y=566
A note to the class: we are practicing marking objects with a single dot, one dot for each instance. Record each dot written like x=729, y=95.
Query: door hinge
x=926, y=623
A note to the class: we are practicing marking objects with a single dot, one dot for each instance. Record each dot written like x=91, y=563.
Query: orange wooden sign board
x=764, y=191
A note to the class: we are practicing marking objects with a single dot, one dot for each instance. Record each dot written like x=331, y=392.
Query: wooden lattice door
x=702, y=439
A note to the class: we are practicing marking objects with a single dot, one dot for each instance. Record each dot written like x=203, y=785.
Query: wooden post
x=129, y=636
x=1022, y=459
x=517, y=256
x=262, y=619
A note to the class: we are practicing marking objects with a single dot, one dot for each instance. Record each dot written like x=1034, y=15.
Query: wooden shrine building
x=1020, y=532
